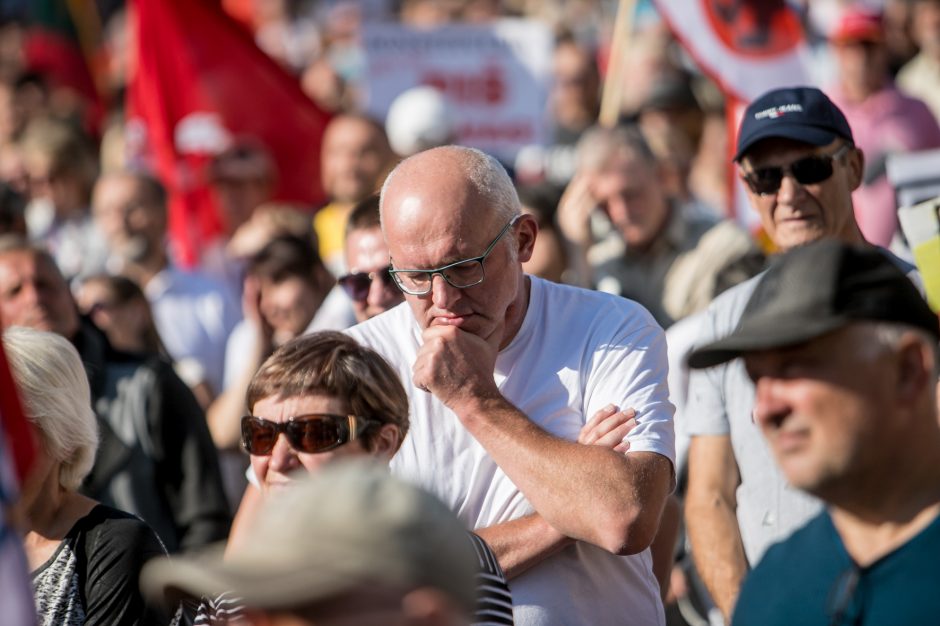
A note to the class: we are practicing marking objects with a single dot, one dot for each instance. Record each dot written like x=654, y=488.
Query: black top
x=155, y=458
x=92, y=578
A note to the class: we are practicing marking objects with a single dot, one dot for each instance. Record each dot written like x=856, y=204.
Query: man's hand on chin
x=456, y=366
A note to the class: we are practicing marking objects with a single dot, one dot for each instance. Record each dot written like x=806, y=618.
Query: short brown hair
x=332, y=363
x=364, y=216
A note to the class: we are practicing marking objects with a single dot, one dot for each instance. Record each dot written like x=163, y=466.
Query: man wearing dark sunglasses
x=502, y=371
x=797, y=158
x=368, y=282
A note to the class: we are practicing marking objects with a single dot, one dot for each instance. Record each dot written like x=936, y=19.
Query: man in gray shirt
x=797, y=158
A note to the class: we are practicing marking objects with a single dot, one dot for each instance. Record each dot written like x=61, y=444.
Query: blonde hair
x=56, y=398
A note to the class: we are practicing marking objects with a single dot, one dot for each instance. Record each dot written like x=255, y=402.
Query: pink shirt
x=885, y=122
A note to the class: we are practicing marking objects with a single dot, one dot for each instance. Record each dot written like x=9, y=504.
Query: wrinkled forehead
x=427, y=204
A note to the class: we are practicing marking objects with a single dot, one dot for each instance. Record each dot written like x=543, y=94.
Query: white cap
x=419, y=118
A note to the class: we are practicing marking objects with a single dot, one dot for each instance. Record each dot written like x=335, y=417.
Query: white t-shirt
x=575, y=352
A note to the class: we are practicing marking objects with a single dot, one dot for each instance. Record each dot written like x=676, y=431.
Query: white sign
x=495, y=77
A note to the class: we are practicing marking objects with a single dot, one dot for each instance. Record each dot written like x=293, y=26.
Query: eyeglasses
x=357, y=285
x=807, y=171
x=305, y=433
x=459, y=274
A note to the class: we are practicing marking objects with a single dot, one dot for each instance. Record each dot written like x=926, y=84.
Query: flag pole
x=612, y=93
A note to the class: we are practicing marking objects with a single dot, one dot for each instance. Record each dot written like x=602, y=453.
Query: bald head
x=466, y=172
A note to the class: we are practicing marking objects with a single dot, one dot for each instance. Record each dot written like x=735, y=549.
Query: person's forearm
x=588, y=493
x=225, y=413
x=523, y=543
x=663, y=547
x=717, y=549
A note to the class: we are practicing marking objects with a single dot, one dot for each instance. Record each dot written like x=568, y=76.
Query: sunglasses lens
x=812, y=170
x=258, y=436
x=315, y=434
x=765, y=179
x=356, y=286
x=387, y=279
x=807, y=171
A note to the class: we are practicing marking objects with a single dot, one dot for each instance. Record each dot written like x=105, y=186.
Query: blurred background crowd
x=188, y=231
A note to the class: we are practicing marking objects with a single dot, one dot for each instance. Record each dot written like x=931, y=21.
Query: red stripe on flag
x=200, y=80
x=19, y=433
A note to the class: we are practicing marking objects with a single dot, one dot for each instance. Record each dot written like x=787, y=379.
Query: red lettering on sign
x=487, y=87
x=515, y=132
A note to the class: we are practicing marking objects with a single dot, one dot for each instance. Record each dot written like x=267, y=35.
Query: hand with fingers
x=609, y=427
x=455, y=366
x=251, y=308
x=574, y=211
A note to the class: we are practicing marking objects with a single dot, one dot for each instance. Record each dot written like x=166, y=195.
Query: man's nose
x=769, y=405
x=790, y=190
x=443, y=294
x=31, y=293
x=617, y=209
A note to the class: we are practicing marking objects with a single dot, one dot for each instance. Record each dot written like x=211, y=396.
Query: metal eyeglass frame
x=440, y=270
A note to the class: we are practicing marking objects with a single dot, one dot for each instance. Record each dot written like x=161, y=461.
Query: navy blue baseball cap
x=799, y=113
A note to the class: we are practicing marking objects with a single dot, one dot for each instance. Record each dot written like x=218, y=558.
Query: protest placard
x=494, y=76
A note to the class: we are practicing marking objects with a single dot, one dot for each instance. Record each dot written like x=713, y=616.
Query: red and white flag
x=748, y=47
x=198, y=80
x=17, y=454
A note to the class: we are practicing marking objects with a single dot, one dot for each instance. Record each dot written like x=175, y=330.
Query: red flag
x=17, y=444
x=60, y=42
x=17, y=431
x=747, y=47
x=199, y=80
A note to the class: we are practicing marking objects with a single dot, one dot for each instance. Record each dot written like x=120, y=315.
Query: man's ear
x=855, y=162
x=915, y=368
x=527, y=230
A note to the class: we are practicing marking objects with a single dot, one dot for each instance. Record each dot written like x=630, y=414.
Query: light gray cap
x=351, y=524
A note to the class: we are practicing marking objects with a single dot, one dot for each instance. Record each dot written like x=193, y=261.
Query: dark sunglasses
x=357, y=285
x=807, y=171
x=305, y=433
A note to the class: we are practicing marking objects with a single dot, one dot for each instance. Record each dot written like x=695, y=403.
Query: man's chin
x=795, y=236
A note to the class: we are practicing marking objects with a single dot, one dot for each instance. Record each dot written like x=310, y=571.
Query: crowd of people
x=566, y=389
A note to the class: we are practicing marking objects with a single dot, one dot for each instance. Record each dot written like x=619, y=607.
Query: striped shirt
x=494, y=600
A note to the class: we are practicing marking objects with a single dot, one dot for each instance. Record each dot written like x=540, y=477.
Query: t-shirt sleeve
x=631, y=371
x=705, y=412
x=116, y=550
